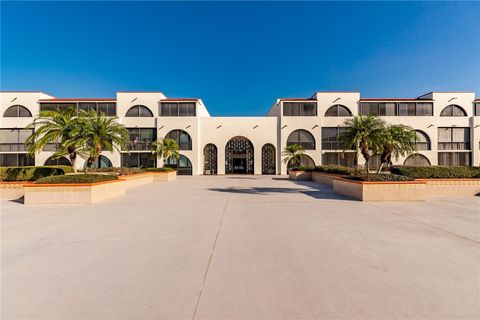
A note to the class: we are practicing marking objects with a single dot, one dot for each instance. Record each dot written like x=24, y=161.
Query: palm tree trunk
x=72, y=154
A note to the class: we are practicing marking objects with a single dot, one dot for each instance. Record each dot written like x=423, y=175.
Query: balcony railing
x=423, y=145
x=13, y=147
x=305, y=145
x=454, y=146
x=140, y=146
x=335, y=145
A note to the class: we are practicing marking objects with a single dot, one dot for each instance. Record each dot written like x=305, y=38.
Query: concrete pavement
x=241, y=247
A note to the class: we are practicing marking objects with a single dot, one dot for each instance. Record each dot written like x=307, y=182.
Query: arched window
x=422, y=141
x=453, y=111
x=139, y=111
x=305, y=162
x=416, y=160
x=302, y=138
x=101, y=162
x=62, y=161
x=183, y=139
x=338, y=110
x=268, y=159
x=182, y=165
x=17, y=111
x=210, y=159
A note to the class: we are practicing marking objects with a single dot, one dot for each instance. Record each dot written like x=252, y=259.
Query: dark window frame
x=17, y=108
x=410, y=112
x=174, y=109
x=181, y=145
x=307, y=145
x=449, y=111
x=138, y=111
x=336, y=109
x=297, y=109
x=454, y=145
x=79, y=106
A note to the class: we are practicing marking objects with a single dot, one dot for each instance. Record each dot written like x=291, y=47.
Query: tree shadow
x=20, y=200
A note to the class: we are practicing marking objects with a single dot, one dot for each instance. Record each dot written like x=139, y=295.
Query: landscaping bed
x=437, y=172
x=31, y=173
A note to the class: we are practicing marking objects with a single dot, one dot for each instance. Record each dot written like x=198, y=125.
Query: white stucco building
x=448, y=126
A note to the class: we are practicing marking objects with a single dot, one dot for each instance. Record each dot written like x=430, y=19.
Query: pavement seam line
x=210, y=259
x=391, y=211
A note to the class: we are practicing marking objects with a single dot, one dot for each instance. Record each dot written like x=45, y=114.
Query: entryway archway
x=210, y=159
x=239, y=156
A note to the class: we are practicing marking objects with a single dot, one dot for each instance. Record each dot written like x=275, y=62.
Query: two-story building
x=447, y=126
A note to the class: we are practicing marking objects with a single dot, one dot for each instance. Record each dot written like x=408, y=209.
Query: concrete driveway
x=241, y=247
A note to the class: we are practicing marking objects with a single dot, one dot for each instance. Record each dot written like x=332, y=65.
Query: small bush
x=123, y=171
x=162, y=169
x=76, y=178
x=437, y=172
x=29, y=173
x=378, y=177
x=335, y=169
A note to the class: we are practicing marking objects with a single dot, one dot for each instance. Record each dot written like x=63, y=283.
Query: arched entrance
x=210, y=159
x=182, y=165
x=239, y=156
x=268, y=159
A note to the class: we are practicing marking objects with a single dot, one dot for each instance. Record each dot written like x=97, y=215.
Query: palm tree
x=57, y=126
x=293, y=154
x=398, y=140
x=165, y=149
x=99, y=133
x=365, y=133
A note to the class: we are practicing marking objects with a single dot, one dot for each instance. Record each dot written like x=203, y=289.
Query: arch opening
x=239, y=153
x=268, y=159
x=210, y=159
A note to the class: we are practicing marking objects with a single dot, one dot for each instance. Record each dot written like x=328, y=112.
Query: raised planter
x=164, y=176
x=452, y=187
x=299, y=175
x=12, y=190
x=73, y=193
x=381, y=191
x=139, y=179
x=323, y=178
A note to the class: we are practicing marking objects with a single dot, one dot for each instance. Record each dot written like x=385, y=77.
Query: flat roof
x=76, y=99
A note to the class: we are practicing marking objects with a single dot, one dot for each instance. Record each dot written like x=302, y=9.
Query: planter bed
x=138, y=179
x=299, y=175
x=324, y=178
x=70, y=193
x=381, y=190
x=12, y=190
x=452, y=187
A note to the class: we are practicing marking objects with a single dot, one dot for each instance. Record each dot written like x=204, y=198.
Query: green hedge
x=77, y=178
x=29, y=173
x=123, y=171
x=437, y=172
x=335, y=169
x=162, y=169
x=378, y=177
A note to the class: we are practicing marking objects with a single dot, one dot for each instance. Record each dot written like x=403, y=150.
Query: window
x=453, y=111
x=305, y=162
x=107, y=108
x=141, y=138
x=182, y=138
x=416, y=160
x=338, y=111
x=138, y=160
x=330, y=138
x=182, y=164
x=403, y=109
x=139, y=111
x=101, y=162
x=62, y=161
x=177, y=109
x=453, y=138
x=14, y=139
x=347, y=159
x=298, y=109
x=56, y=106
x=454, y=158
x=16, y=160
x=422, y=141
x=17, y=111
x=302, y=138
x=477, y=108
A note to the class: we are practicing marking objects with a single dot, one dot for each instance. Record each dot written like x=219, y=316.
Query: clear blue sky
x=240, y=57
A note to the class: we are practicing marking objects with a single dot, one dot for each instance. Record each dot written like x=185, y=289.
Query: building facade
x=447, y=125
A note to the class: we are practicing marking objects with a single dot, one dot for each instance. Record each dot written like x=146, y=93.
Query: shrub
x=437, y=172
x=77, y=178
x=335, y=169
x=378, y=177
x=28, y=173
x=123, y=171
x=162, y=169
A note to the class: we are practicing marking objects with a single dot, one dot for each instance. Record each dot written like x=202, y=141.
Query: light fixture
x=14, y=99
x=255, y=126
x=284, y=126
x=219, y=126
x=453, y=98
x=336, y=100
x=134, y=99
x=430, y=126
x=315, y=126
x=188, y=126
x=161, y=127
